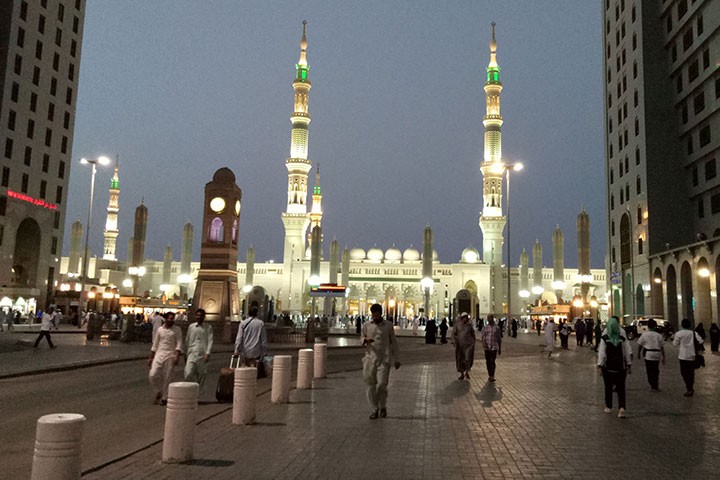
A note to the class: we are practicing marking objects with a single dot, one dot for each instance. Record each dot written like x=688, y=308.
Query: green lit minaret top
x=493, y=70
x=115, y=181
x=301, y=68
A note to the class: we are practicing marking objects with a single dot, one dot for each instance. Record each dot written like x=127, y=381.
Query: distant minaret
x=427, y=267
x=296, y=219
x=537, y=265
x=76, y=232
x=558, y=242
x=583, y=231
x=187, y=246
x=316, y=211
x=524, y=291
x=167, y=265
x=111, y=223
x=138, y=245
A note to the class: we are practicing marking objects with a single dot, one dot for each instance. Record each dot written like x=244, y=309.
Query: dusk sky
x=180, y=88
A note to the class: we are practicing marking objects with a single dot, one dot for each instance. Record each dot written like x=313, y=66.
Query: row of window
x=626, y=165
x=25, y=181
x=39, y=54
x=53, y=81
x=43, y=4
x=710, y=171
x=682, y=9
x=625, y=193
x=714, y=205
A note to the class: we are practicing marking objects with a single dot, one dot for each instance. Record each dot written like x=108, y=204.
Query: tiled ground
x=542, y=419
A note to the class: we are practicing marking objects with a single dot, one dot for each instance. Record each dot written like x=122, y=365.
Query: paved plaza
x=543, y=418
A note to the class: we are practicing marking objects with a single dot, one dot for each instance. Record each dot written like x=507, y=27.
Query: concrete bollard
x=180, y=422
x=282, y=369
x=58, y=442
x=320, y=363
x=244, y=394
x=305, y=369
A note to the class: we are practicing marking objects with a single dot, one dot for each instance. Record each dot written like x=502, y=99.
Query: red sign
x=35, y=201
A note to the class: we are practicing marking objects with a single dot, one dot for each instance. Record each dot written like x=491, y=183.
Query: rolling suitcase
x=226, y=382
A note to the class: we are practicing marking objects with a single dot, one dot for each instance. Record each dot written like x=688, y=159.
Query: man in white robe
x=381, y=349
x=164, y=355
x=199, y=343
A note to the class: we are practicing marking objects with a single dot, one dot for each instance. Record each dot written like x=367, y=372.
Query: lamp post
x=102, y=160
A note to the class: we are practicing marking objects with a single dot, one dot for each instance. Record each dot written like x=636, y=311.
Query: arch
x=625, y=240
x=627, y=294
x=235, y=231
x=216, y=230
x=686, y=291
x=639, y=300
x=656, y=293
x=471, y=286
x=703, y=302
x=27, y=246
x=672, y=297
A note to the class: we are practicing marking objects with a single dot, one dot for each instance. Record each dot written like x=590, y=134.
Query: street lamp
x=508, y=167
x=102, y=160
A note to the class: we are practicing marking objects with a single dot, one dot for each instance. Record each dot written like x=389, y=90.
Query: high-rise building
x=40, y=46
x=662, y=125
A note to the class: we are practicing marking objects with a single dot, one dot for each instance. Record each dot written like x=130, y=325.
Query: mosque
x=399, y=279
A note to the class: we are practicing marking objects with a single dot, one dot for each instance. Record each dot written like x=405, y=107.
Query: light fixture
x=247, y=288
x=537, y=290
x=314, y=280
x=184, y=278
x=704, y=272
x=578, y=303
x=524, y=294
x=217, y=204
x=237, y=207
x=127, y=283
x=558, y=285
x=657, y=280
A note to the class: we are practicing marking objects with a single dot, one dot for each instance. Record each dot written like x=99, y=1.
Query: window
x=38, y=50
x=23, y=10
x=56, y=62
x=632, y=14
x=73, y=48
x=61, y=169
x=48, y=137
x=634, y=69
x=679, y=83
x=76, y=24
x=66, y=120
x=620, y=169
x=634, y=42
x=608, y=51
x=36, y=76
x=622, y=197
x=693, y=70
x=63, y=144
x=8, y=147
x=58, y=37
x=68, y=96
x=639, y=215
x=43, y=3
x=695, y=176
x=609, y=76
x=638, y=186
x=613, y=254
x=71, y=72
x=56, y=220
x=28, y=156
x=701, y=208
x=216, y=230
x=624, y=83
x=77, y=4
x=717, y=87
x=58, y=194
x=673, y=52
x=622, y=29
x=611, y=150
x=704, y=135
x=617, y=64
x=609, y=100
x=715, y=203
x=620, y=142
x=53, y=246
x=41, y=24
x=61, y=12
x=636, y=100
x=18, y=65
x=11, y=120
x=637, y=127
x=687, y=39
x=3, y=206
x=684, y=114
x=682, y=8
x=5, y=177
x=624, y=57
x=699, y=24
x=690, y=144
x=625, y=135
x=612, y=202
x=607, y=26
x=610, y=125
x=699, y=102
x=637, y=156
x=640, y=245
x=15, y=91
x=625, y=110
x=706, y=58
x=21, y=37
x=627, y=191
x=46, y=163
x=43, y=189
x=710, y=169
x=51, y=112
x=24, y=184
x=31, y=128
x=53, y=86
x=612, y=176
x=33, y=102
x=669, y=23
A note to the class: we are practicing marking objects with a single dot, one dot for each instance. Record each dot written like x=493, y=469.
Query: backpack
x=615, y=361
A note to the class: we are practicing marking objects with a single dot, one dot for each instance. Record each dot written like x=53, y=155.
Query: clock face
x=217, y=204
x=237, y=208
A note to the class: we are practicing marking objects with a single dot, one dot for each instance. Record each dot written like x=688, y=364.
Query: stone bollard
x=282, y=369
x=180, y=422
x=58, y=441
x=320, y=363
x=244, y=394
x=305, y=369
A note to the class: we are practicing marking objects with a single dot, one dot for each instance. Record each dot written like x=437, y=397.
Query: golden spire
x=303, y=46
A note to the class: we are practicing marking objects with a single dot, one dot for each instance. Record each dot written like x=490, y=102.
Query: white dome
x=393, y=255
x=411, y=255
x=470, y=255
x=357, y=254
x=375, y=255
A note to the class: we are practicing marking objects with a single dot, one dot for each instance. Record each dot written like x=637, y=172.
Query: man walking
x=46, y=323
x=251, y=339
x=199, y=341
x=157, y=320
x=381, y=349
x=686, y=339
x=492, y=342
x=164, y=355
x=652, y=343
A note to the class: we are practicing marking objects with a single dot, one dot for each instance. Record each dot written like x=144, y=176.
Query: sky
x=180, y=88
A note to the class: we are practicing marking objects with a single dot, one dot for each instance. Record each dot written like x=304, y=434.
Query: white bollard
x=180, y=422
x=282, y=369
x=58, y=442
x=320, y=363
x=305, y=369
x=244, y=394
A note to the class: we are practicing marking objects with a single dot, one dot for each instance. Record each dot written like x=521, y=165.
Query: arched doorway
x=27, y=246
x=703, y=309
x=672, y=297
x=627, y=293
x=639, y=300
x=625, y=242
x=656, y=294
x=686, y=291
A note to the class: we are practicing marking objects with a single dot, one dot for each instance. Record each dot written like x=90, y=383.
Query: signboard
x=35, y=201
x=615, y=278
x=328, y=290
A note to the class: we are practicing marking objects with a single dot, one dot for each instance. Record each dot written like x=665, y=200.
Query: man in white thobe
x=199, y=342
x=381, y=349
x=156, y=321
x=164, y=355
x=550, y=329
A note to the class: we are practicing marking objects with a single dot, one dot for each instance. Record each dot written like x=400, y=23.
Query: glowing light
x=127, y=283
x=103, y=160
x=537, y=290
x=657, y=280
x=497, y=167
x=593, y=303
x=217, y=204
x=558, y=285
x=704, y=272
x=314, y=280
x=524, y=294
x=426, y=283
x=184, y=278
x=518, y=166
x=247, y=288
x=91, y=295
x=165, y=287
x=578, y=303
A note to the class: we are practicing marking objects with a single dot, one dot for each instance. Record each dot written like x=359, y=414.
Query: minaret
x=111, y=223
x=167, y=265
x=76, y=232
x=138, y=250
x=524, y=291
x=296, y=218
x=492, y=221
x=316, y=210
x=537, y=267
x=187, y=246
x=558, y=242
x=583, y=232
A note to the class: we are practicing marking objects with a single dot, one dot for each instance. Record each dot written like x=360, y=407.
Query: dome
x=224, y=176
x=357, y=254
x=393, y=255
x=411, y=255
x=375, y=255
x=470, y=255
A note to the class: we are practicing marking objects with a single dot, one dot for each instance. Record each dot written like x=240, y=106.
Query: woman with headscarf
x=463, y=337
x=714, y=337
x=700, y=330
x=614, y=359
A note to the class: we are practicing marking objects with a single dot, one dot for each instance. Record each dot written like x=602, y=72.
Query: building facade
x=40, y=49
x=662, y=126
